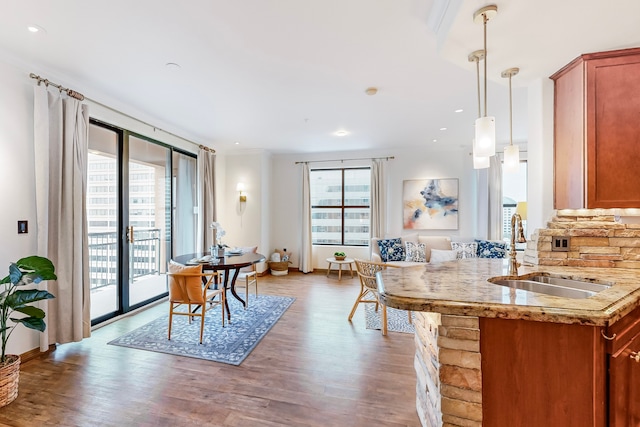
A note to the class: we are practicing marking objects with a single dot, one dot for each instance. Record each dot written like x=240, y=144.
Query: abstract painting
x=430, y=204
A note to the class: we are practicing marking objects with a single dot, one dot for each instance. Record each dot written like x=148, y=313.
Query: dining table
x=230, y=264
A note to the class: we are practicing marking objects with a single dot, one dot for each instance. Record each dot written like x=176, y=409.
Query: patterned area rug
x=397, y=320
x=231, y=344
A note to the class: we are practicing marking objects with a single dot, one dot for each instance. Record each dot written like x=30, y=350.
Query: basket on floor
x=9, y=378
x=279, y=268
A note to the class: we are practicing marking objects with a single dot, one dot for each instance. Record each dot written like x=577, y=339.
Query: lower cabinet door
x=624, y=386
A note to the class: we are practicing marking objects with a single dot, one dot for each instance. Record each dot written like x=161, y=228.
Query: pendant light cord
x=510, y=114
x=485, y=20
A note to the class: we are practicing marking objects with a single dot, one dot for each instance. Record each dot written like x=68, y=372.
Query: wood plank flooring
x=314, y=368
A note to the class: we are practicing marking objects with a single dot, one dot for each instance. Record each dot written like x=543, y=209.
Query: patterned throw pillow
x=465, y=250
x=391, y=250
x=441, y=255
x=416, y=252
x=491, y=249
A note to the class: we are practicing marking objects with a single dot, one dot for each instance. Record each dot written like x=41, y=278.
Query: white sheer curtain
x=61, y=135
x=186, y=224
x=306, y=259
x=206, y=198
x=495, y=199
x=378, y=198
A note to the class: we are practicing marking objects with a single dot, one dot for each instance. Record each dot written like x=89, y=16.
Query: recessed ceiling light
x=35, y=29
x=435, y=140
x=459, y=110
x=237, y=143
x=341, y=133
x=443, y=128
x=172, y=66
x=371, y=91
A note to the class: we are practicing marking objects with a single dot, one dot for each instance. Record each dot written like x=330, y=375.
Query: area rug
x=231, y=344
x=397, y=320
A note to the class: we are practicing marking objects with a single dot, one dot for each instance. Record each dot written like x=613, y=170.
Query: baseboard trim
x=35, y=353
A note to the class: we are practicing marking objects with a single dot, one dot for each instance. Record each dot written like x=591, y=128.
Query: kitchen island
x=489, y=355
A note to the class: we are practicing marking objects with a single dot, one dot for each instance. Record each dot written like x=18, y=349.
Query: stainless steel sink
x=556, y=286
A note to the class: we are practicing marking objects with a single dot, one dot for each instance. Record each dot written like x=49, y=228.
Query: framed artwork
x=430, y=204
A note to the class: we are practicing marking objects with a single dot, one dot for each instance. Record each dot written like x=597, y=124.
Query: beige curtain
x=378, y=198
x=495, y=198
x=61, y=135
x=306, y=259
x=206, y=198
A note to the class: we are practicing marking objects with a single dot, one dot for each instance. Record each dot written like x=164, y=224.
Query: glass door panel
x=102, y=220
x=149, y=221
x=184, y=204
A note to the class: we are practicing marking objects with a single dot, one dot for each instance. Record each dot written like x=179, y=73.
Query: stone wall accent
x=597, y=239
x=447, y=363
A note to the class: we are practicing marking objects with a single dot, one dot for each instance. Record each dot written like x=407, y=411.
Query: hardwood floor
x=314, y=368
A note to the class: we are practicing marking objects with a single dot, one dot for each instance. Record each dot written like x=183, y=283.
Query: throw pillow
x=391, y=250
x=465, y=250
x=416, y=252
x=491, y=249
x=441, y=255
x=192, y=289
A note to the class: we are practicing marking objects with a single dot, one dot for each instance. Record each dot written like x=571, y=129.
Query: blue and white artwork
x=430, y=204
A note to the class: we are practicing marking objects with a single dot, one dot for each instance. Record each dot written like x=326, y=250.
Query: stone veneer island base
x=536, y=359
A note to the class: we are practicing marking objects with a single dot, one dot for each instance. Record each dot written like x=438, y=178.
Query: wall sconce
x=240, y=189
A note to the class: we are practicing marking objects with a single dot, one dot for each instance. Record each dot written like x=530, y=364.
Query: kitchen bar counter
x=490, y=356
x=461, y=288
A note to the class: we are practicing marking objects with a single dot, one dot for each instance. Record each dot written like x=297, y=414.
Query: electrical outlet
x=560, y=244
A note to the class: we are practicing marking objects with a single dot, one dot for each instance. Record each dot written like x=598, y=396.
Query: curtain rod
x=346, y=160
x=81, y=97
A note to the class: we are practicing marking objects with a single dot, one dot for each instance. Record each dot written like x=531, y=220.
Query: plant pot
x=9, y=378
x=340, y=258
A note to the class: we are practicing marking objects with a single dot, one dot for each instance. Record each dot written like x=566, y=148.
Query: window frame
x=342, y=207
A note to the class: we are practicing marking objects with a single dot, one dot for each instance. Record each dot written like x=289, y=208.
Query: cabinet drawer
x=623, y=331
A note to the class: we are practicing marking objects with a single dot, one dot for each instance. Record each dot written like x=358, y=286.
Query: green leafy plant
x=29, y=270
x=339, y=254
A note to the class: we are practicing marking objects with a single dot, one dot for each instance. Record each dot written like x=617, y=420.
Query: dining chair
x=248, y=276
x=190, y=288
x=368, y=288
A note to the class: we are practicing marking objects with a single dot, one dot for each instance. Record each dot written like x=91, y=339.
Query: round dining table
x=228, y=264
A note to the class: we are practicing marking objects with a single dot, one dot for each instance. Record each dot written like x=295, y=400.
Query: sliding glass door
x=136, y=195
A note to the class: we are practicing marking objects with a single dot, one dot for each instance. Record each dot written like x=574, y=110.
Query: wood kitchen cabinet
x=597, y=131
x=549, y=374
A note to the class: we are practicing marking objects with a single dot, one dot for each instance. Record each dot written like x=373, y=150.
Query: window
x=514, y=190
x=340, y=206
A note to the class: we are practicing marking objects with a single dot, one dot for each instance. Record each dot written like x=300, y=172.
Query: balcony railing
x=144, y=256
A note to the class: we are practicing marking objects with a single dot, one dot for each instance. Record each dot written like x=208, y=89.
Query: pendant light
x=479, y=162
x=485, y=125
x=511, y=152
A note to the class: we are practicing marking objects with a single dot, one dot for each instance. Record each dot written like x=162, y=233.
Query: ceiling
x=285, y=75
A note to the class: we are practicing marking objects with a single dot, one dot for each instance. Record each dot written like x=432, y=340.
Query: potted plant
x=339, y=256
x=29, y=270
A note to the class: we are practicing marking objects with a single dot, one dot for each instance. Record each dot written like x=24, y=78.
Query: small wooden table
x=348, y=261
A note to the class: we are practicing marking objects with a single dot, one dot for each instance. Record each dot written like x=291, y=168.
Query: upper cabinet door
x=597, y=131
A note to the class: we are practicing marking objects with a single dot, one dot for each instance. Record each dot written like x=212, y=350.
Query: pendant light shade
x=479, y=162
x=486, y=136
x=511, y=159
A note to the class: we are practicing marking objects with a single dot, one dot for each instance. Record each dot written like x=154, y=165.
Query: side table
x=347, y=261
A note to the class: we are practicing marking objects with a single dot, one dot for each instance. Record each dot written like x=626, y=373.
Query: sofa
x=414, y=249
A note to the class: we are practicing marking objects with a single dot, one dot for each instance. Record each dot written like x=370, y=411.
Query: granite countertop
x=461, y=288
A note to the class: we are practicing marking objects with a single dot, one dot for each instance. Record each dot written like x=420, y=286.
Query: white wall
x=418, y=163
x=247, y=224
x=540, y=154
x=17, y=181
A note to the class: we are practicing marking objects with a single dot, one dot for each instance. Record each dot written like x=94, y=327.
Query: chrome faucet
x=513, y=264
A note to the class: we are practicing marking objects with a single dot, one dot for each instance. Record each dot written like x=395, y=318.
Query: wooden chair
x=246, y=277
x=368, y=287
x=191, y=288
